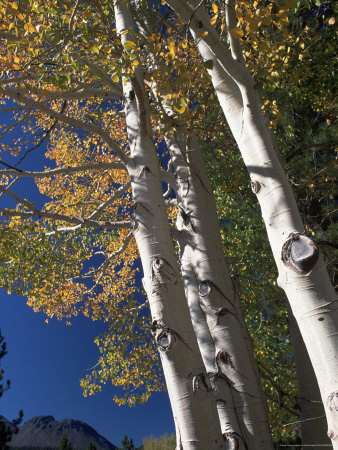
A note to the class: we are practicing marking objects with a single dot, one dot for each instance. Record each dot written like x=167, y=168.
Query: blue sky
x=46, y=361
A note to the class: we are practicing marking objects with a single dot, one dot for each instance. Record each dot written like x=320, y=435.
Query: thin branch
x=279, y=391
x=105, y=264
x=14, y=108
x=16, y=79
x=79, y=93
x=62, y=217
x=11, y=127
x=11, y=184
x=62, y=170
x=14, y=169
x=20, y=95
x=97, y=70
x=304, y=420
x=302, y=148
x=110, y=200
x=73, y=15
x=7, y=212
x=47, y=133
x=16, y=197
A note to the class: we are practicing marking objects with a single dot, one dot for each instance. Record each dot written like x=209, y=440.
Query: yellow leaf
x=116, y=78
x=135, y=63
x=129, y=45
x=181, y=106
x=184, y=44
x=29, y=27
x=94, y=49
x=15, y=5
x=332, y=21
x=171, y=48
x=215, y=11
x=202, y=35
x=213, y=20
x=237, y=33
x=11, y=25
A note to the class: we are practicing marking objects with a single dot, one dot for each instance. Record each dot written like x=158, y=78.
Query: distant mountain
x=45, y=431
x=6, y=421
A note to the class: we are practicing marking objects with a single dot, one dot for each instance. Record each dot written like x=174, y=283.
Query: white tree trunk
x=313, y=423
x=302, y=273
x=214, y=304
x=187, y=381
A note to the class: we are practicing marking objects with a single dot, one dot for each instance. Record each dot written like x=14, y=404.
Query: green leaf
x=209, y=64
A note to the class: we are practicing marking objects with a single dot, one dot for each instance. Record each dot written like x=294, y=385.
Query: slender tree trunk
x=188, y=384
x=214, y=304
x=312, y=415
x=302, y=272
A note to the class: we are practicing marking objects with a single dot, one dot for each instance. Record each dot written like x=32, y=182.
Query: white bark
x=188, y=384
x=302, y=274
x=312, y=418
x=214, y=304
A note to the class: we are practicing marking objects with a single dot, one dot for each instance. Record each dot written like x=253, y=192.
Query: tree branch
x=47, y=133
x=20, y=95
x=110, y=200
x=64, y=218
x=62, y=170
x=79, y=93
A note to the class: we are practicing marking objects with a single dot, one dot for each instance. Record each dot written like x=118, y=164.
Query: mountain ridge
x=46, y=432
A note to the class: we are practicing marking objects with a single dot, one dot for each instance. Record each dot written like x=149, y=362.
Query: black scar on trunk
x=300, y=253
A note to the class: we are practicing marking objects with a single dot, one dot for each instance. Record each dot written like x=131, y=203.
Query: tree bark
x=312, y=418
x=187, y=381
x=214, y=304
x=302, y=273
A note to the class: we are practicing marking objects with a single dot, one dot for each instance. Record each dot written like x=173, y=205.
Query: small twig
x=304, y=420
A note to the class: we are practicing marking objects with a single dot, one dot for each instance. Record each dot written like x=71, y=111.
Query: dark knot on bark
x=300, y=253
x=164, y=336
x=201, y=382
x=204, y=288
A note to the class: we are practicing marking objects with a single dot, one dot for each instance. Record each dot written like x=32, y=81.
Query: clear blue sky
x=46, y=361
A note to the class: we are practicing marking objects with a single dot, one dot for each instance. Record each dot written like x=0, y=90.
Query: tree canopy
x=62, y=69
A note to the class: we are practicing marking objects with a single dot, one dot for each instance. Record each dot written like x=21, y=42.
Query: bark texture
x=189, y=388
x=312, y=415
x=302, y=273
x=214, y=304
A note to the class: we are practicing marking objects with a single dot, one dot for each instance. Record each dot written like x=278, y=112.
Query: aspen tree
x=302, y=272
